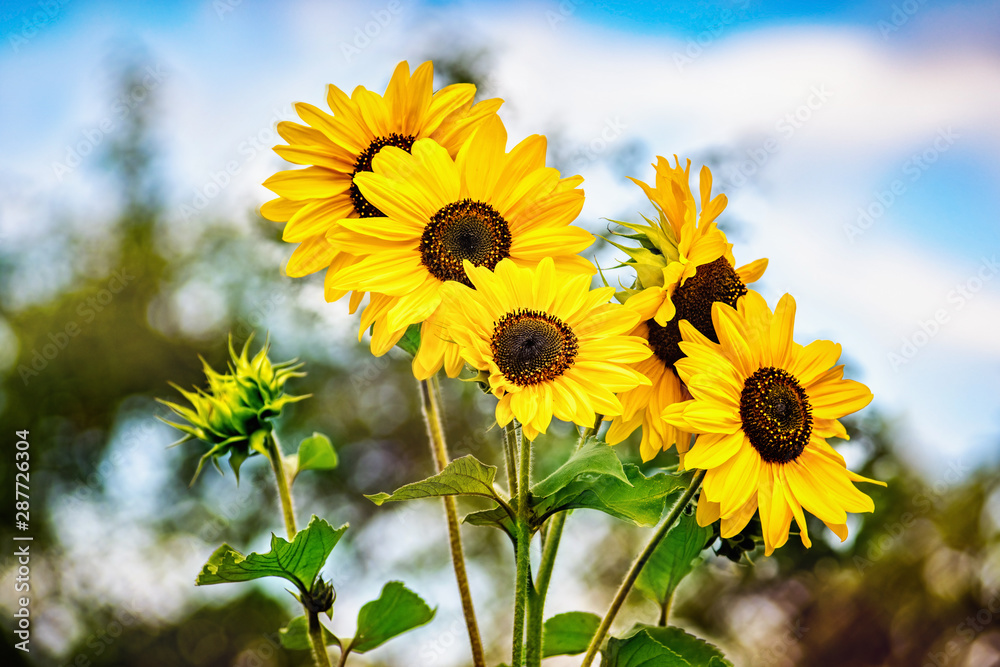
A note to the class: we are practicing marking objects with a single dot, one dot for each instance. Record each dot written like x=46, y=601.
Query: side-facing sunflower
x=684, y=264
x=313, y=200
x=483, y=206
x=765, y=406
x=550, y=344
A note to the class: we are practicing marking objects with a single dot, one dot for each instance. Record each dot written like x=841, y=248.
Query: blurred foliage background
x=119, y=536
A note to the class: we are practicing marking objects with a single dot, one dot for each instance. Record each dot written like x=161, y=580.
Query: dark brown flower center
x=531, y=347
x=364, y=163
x=715, y=281
x=776, y=414
x=463, y=230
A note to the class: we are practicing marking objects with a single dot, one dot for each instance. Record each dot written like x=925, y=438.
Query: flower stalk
x=274, y=455
x=637, y=565
x=281, y=478
x=430, y=402
x=522, y=538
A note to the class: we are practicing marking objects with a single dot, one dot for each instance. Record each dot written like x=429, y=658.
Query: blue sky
x=693, y=79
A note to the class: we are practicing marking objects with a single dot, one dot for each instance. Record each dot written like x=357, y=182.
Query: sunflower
x=484, y=206
x=684, y=264
x=765, y=407
x=551, y=346
x=313, y=200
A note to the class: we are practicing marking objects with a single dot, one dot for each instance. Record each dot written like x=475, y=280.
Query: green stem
x=510, y=459
x=288, y=511
x=550, y=542
x=637, y=566
x=319, y=652
x=522, y=539
x=281, y=477
x=665, y=611
x=430, y=400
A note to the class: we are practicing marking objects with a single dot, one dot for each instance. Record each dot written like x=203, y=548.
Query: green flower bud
x=233, y=415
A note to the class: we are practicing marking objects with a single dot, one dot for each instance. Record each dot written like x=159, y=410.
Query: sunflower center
x=463, y=230
x=364, y=163
x=776, y=414
x=531, y=347
x=715, y=281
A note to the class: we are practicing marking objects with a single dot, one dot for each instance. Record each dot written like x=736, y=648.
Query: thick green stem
x=550, y=547
x=522, y=539
x=288, y=511
x=281, y=477
x=319, y=652
x=637, y=566
x=430, y=401
x=510, y=459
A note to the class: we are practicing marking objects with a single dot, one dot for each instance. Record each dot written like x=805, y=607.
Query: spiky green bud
x=233, y=414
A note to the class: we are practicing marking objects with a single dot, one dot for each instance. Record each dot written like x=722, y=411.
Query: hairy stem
x=637, y=566
x=288, y=511
x=522, y=545
x=430, y=401
x=550, y=547
x=281, y=477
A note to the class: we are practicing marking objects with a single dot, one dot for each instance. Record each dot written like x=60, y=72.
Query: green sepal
x=410, y=342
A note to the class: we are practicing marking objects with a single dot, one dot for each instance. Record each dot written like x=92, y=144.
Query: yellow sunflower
x=550, y=344
x=685, y=264
x=765, y=406
x=485, y=205
x=311, y=201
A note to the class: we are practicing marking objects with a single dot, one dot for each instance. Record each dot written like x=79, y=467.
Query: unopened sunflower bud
x=234, y=413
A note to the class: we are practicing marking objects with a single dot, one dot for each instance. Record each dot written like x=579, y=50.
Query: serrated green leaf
x=397, y=610
x=315, y=453
x=673, y=559
x=695, y=650
x=640, y=650
x=463, y=476
x=649, y=646
x=640, y=501
x=569, y=633
x=410, y=342
x=594, y=458
x=298, y=561
x=295, y=636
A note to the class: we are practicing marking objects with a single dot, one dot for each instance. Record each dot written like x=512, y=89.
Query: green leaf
x=298, y=561
x=673, y=559
x=647, y=646
x=568, y=634
x=463, y=476
x=695, y=650
x=496, y=518
x=640, y=500
x=315, y=453
x=410, y=342
x=295, y=636
x=397, y=610
x=640, y=650
x=594, y=458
